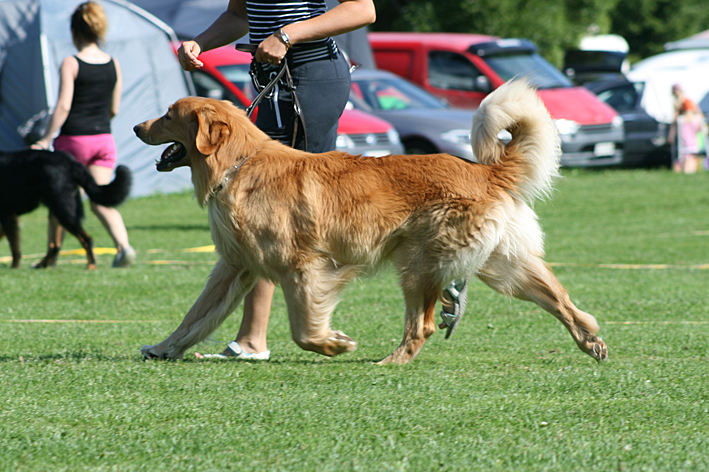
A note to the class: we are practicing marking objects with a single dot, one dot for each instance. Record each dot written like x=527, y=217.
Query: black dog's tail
x=109, y=195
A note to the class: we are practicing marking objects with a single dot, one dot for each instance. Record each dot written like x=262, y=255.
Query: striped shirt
x=267, y=16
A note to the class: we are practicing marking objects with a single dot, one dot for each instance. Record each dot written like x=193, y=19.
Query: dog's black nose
x=135, y=129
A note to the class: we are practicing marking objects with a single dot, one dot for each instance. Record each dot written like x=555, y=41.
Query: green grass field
x=509, y=391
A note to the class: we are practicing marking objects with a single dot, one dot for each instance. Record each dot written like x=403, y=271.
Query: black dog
x=31, y=177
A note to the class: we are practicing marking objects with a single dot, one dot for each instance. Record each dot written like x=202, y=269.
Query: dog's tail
x=109, y=195
x=531, y=158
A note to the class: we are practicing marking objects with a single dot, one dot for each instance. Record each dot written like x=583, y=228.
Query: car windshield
x=534, y=67
x=238, y=74
x=392, y=94
x=623, y=98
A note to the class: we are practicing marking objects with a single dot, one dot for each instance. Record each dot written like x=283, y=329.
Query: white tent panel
x=688, y=68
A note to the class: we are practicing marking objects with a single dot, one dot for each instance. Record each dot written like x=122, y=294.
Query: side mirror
x=482, y=84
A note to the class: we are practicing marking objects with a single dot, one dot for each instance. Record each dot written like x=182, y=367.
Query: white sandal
x=237, y=353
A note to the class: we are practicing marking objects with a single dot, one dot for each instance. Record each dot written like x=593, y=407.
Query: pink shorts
x=92, y=150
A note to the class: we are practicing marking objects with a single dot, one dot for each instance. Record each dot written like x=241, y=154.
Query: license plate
x=604, y=149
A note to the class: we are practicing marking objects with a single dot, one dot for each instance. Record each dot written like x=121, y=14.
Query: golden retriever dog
x=313, y=222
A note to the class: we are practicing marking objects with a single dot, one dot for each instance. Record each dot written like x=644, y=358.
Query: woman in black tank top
x=299, y=32
x=89, y=97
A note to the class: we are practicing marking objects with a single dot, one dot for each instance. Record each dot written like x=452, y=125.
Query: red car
x=464, y=68
x=225, y=75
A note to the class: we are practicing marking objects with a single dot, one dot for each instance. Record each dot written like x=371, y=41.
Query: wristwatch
x=283, y=36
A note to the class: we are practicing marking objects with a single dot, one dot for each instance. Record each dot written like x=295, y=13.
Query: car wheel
x=419, y=146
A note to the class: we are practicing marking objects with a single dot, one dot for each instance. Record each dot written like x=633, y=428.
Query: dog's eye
x=167, y=117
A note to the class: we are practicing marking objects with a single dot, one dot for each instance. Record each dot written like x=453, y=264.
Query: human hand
x=187, y=54
x=271, y=50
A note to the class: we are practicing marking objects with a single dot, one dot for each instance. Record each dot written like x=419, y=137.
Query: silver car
x=425, y=124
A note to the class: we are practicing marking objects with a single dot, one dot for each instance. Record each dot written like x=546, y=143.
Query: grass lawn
x=509, y=391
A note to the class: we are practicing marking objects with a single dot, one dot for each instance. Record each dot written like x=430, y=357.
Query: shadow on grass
x=175, y=227
x=97, y=356
x=72, y=356
x=289, y=362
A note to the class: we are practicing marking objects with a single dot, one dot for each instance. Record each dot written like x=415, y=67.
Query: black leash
x=283, y=71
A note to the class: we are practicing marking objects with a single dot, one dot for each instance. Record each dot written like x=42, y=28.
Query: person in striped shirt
x=299, y=32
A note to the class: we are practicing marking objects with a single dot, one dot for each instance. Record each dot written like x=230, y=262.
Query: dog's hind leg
x=10, y=225
x=311, y=296
x=420, y=295
x=532, y=280
x=226, y=287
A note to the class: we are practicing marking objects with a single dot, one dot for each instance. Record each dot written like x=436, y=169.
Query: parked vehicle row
x=600, y=124
x=464, y=68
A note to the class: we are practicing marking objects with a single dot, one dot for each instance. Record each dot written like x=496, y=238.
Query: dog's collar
x=229, y=174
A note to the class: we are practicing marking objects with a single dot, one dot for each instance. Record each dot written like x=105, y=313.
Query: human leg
x=691, y=164
x=10, y=225
x=112, y=220
x=323, y=89
x=254, y=325
x=251, y=343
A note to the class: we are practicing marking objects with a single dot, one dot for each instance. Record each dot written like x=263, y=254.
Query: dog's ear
x=211, y=131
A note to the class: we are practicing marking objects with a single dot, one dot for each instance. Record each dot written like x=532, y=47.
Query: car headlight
x=567, y=127
x=617, y=123
x=457, y=136
x=344, y=142
x=393, y=136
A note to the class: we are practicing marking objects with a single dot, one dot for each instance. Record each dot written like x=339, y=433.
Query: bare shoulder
x=70, y=63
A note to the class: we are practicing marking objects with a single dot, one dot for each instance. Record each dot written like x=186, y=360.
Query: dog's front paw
x=339, y=342
x=149, y=352
x=161, y=351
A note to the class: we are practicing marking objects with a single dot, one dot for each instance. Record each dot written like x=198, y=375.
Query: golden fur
x=313, y=222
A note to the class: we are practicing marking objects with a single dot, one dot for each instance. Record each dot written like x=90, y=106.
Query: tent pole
x=48, y=87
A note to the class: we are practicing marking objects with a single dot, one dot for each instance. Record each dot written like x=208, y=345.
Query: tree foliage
x=554, y=25
x=648, y=24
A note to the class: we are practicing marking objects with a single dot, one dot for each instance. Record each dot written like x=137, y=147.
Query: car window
x=207, y=86
x=622, y=98
x=392, y=94
x=449, y=70
x=533, y=67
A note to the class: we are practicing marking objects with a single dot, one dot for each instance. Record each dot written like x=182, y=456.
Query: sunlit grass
x=509, y=391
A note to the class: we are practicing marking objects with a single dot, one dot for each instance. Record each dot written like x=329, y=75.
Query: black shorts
x=323, y=88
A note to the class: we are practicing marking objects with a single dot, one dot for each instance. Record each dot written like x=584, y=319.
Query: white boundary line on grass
x=653, y=322
x=80, y=321
x=210, y=248
x=630, y=266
